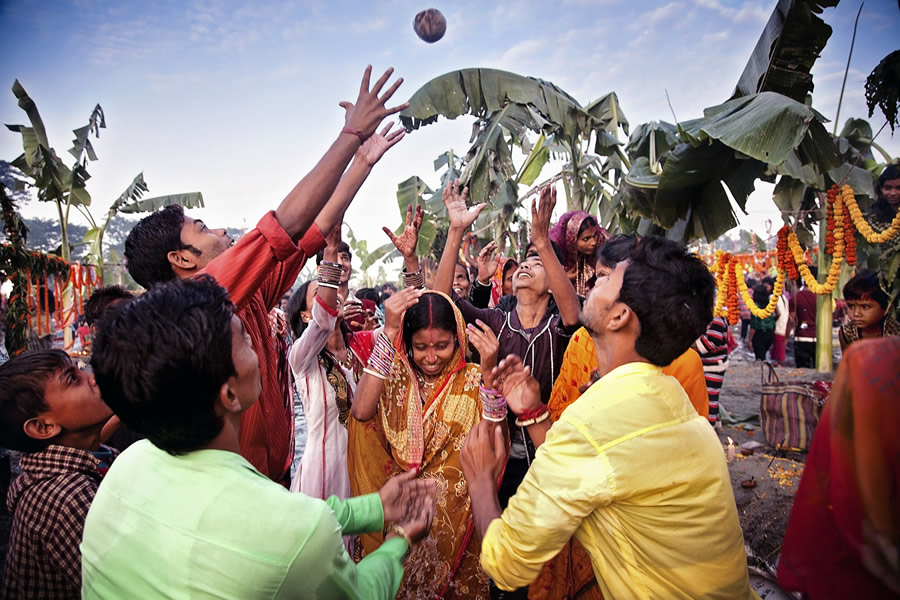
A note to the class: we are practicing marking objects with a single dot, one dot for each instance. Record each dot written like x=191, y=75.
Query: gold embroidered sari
x=405, y=434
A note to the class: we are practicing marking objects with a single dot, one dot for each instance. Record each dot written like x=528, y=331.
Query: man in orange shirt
x=265, y=262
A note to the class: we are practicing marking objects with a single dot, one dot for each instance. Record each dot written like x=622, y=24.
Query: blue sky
x=239, y=99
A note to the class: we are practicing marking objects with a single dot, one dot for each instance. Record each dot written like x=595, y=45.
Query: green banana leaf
x=790, y=43
x=187, y=200
x=480, y=92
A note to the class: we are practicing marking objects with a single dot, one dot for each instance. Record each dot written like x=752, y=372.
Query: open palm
x=374, y=148
x=407, y=241
x=461, y=216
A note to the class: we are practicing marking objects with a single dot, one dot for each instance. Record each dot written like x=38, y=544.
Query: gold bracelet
x=398, y=530
x=539, y=419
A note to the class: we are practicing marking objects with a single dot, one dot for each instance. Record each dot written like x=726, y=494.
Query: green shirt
x=762, y=324
x=209, y=525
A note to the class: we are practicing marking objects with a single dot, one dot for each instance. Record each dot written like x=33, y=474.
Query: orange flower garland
x=785, y=259
x=722, y=259
x=731, y=300
x=849, y=239
x=829, y=218
x=837, y=258
x=862, y=225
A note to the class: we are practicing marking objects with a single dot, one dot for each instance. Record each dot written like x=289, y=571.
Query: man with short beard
x=630, y=469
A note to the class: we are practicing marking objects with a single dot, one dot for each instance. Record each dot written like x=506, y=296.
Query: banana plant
x=66, y=186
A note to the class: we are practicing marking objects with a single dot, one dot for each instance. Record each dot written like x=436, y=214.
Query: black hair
x=161, y=359
x=671, y=291
x=343, y=248
x=865, y=285
x=297, y=305
x=432, y=310
x=510, y=265
x=769, y=280
x=102, y=299
x=465, y=270
x=369, y=294
x=760, y=295
x=556, y=250
x=616, y=249
x=148, y=245
x=23, y=381
x=882, y=209
x=587, y=222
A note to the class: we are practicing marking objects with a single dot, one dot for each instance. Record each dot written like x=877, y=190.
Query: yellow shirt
x=641, y=480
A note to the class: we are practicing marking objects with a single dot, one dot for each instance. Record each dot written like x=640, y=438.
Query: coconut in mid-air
x=430, y=25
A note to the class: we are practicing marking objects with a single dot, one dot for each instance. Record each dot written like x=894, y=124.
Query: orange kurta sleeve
x=688, y=370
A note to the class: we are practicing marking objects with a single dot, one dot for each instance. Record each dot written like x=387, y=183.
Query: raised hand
x=394, y=308
x=488, y=261
x=400, y=494
x=461, y=216
x=482, y=337
x=540, y=214
x=514, y=380
x=484, y=452
x=369, y=110
x=408, y=240
x=374, y=148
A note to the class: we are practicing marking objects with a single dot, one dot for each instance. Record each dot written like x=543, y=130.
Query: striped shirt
x=257, y=271
x=49, y=502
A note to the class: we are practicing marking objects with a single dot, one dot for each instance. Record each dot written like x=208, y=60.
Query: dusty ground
x=763, y=509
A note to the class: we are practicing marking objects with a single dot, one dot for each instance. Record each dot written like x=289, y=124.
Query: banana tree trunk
x=68, y=311
x=824, y=360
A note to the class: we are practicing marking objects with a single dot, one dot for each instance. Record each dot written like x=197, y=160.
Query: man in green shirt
x=182, y=514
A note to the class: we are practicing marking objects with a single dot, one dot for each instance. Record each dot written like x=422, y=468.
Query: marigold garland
x=731, y=300
x=722, y=259
x=862, y=225
x=777, y=291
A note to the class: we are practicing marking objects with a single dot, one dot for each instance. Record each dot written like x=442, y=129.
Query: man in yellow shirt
x=631, y=470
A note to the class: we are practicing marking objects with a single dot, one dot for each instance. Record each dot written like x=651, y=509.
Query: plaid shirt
x=49, y=502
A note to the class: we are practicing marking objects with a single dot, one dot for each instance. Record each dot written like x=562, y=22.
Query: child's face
x=864, y=312
x=73, y=401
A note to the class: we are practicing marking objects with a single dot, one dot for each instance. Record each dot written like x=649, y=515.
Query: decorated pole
x=824, y=314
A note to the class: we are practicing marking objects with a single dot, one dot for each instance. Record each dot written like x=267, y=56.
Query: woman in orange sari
x=413, y=409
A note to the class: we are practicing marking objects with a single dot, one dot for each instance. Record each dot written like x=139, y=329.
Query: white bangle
x=539, y=419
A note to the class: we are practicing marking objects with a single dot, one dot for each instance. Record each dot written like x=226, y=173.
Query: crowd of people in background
x=540, y=426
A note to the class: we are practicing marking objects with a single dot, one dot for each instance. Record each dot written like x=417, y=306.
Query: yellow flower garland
x=722, y=286
x=862, y=225
x=777, y=291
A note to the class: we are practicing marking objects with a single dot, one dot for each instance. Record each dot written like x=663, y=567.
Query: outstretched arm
x=563, y=292
x=461, y=218
x=301, y=206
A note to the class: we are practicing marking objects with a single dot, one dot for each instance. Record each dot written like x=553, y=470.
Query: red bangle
x=362, y=137
x=533, y=414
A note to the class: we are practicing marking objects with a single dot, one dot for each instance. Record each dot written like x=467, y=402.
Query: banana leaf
x=480, y=92
x=789, y=45
x=187, y=200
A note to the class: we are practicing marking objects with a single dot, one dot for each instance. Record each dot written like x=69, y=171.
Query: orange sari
x=404, y=435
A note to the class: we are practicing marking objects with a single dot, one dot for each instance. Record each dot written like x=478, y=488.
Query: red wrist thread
x=533, y=414
x=362, y=137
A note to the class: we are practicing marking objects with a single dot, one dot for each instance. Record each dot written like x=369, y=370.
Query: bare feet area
x=765, y=481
